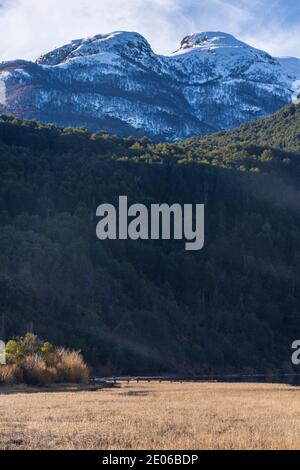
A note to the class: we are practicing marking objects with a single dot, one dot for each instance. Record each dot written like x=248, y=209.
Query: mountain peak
x=115, y=82
x=209, y=40
x=93, y=45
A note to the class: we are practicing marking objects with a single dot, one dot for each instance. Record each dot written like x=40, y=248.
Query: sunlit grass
x=154, y=416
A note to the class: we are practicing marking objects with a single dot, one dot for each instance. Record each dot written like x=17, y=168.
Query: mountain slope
x=116, y=82
x=149, y=307
x=281, y=131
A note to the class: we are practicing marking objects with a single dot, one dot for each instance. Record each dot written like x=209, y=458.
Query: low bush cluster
x=33, y=362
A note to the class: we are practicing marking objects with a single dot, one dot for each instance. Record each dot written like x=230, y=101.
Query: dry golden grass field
x=153, y=416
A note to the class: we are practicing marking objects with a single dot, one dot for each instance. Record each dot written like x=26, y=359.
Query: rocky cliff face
x=116, y=83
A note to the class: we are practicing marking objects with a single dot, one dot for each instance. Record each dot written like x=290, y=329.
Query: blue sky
x=31, y=27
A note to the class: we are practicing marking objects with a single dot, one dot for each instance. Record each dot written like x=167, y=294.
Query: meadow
x=152, y=416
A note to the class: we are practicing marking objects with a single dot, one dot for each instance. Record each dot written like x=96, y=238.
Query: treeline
x=151, y=307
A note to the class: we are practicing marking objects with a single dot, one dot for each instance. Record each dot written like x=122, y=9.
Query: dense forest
x=150, y=306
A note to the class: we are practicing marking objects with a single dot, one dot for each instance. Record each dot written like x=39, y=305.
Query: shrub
x=71, y=366
x=10, y=374
x=12, y=352
x=36, y=372
x=29, y=345
x=47, y=350
x=38, y=363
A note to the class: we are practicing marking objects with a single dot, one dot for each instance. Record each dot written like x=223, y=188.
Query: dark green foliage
x=141, y=307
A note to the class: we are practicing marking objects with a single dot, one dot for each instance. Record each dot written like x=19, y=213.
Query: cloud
x=29, y=28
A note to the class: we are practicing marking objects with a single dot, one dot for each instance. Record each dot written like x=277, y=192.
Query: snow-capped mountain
x=115, y=82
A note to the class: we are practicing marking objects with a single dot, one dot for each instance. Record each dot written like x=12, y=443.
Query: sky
x=29, y=28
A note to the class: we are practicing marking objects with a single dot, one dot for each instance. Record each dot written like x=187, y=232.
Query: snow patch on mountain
x=208, y=41
x=96, y=45
x=292, y=66
x=2, y=92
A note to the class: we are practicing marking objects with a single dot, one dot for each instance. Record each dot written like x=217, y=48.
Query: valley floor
x=153, y=416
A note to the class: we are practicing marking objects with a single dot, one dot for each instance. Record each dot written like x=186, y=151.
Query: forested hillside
x=281, y=130
x=141, y=307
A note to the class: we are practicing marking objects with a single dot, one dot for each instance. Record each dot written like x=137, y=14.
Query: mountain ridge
x=116, y=82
